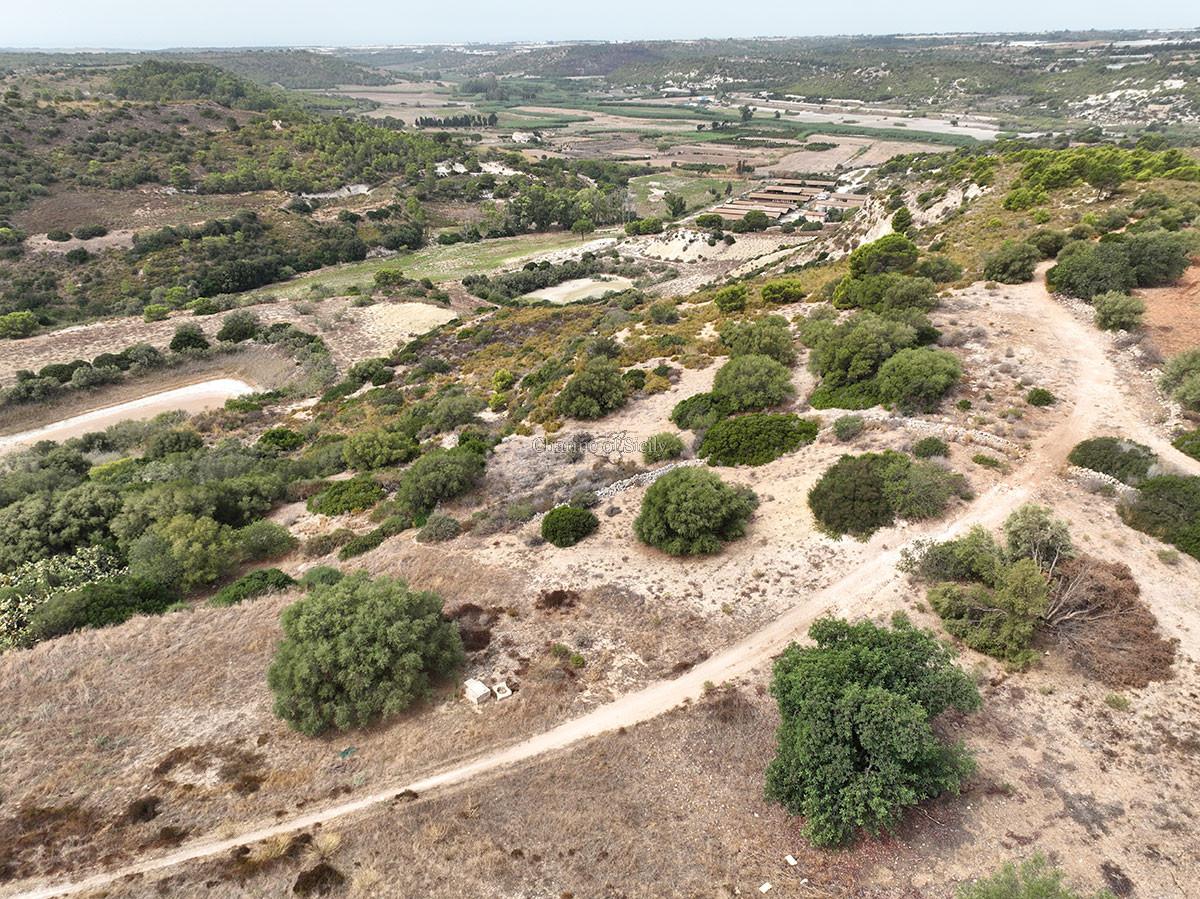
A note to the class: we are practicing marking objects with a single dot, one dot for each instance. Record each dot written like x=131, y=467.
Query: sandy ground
x=191, y=399
x=1050, y=775
x=580, y=289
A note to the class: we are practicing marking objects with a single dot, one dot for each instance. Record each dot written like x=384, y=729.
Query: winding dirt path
x=1098, y=399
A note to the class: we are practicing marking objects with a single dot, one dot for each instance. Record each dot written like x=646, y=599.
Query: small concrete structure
x=502, y=690
x=476, y=691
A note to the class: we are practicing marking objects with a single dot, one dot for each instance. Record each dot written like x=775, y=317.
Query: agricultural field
x=678, y=469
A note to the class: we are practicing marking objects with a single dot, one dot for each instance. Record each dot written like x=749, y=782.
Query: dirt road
x=1098, y=401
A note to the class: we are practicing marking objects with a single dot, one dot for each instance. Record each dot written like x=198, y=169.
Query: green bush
x=783, y=290
x=1040, y=396
x=354, y=495
x=767, y=336
x=566, y=525
x=916, y=379
x=362, y=543
x=697, y=413
x=731, y=298
x=379, y=448
x=998, y=622
x=661, y=447
x=1188, y=444
x=238, y=326
x=264, y=539
x=256, y=583
x=663, y=313
x=1031, y=532
x=751, y=383
x=1085, y=269
x=1048, y=242
x=280, y=439
x=856, y=746
x=892, y=253
x=755, y=438
x=1013, y=263
x=1181, y=378
x=15, y=325
x=691, y=511
x=100, y=604
x=188, y=337
x=1124, y=460
x=847, y=427
x=1033, y=879
x=155, y=312
x=939, y=269
x=437, y=476
x=1167, y=507
x=928, y=447
x=889, y=292
x=166, y=443
x=359, y=650
x=1118, y=311
x=438, y=529
x=593, y=392
x=320, y=576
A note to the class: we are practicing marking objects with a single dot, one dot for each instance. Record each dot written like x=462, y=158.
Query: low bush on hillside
x=731, y=298
x=566, y=525
x=593, y=392
x=1032, y=879
x=1188, y=443
x=691, y=511
x=281, y=439
x=359, y=650
x=320, y=576
x=697, y=413
x=755, y=438
x=1181, y=379
x=767, y=336
x=1040, y=396
x=437, y=476
x=438, y=529
x=916, y=379
x=102, y=604
x=928, y=447
x=783, y=290
x=661, y=447
x=856, y=745
x=752, y=383
x=256, y=583
x=1118, y=311
x=857, y=495
x=1167, y=507
x=1124, y=460
x=1013, y=263
x=379, y=448
x=847, y=427
x=357, y=494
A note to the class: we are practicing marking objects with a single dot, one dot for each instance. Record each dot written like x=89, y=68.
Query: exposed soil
x=1173, y=313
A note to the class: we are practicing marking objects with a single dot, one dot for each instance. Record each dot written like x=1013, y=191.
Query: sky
x=159, y=24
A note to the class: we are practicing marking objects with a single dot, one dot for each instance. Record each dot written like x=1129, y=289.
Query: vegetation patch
x=690, y=511
x=756, y=438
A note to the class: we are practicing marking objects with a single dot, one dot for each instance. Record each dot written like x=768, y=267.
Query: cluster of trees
x=755, y=438
x=457, y=121
x=160, y=81
x=536, y=275
x=1119, y=263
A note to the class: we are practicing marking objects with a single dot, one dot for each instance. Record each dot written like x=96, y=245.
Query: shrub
x=264, y=539
x=362, y=543
x=437, y=476
x=847, y=427
x=438, y=529
x=1157, y=257
x=849, y=498
x=928, y=447
x=974, y=557
x=359, y=650
x=756, y=438
x=380, y=448
x=155, y=312
x=691, y=511
x=165, y=443
x=238, y=326
x=256, y=583
x=767, y=336
x=661, y=447
x=354, y=495
x=1031, y=532
x=1118, y=311
x=188, y=337
x=593, y=392
x=1188, y=444
x=939, y=269
x=697, y=413
x=731, y=298
x=320, y=576
x=566, y=525
x=280, y=439
x=1085, y=269
x=664, y=313
x=1000, y=622
x=14, y=325
x=1040, y=396
x=848, y=355
x=892, y=253
x=1124, y=460
x=1013, y=263
x=783, y=290
x=100, y=604
x=750, y=383
x=1167, y=507
x=889, y=292
x=922, y=490
x=856, y=746
x=1033, y=879
x=1181, y=378
x=1048, y=242
x=916, y=379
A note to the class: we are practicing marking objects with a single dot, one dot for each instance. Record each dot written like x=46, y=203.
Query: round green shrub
x=593, y=392
x=280, y=439
x=661, y=447
x=359, y=650
x=916, y=379
x=1124, y=460
x=928, y=447
x=1040, y=396
x=1188, y=444
x=100, y=604
x=850, y=497
x=566, y=525
x=731, y=298
x=697, y=413
x=438, y=529
x=847, y=427
x=1118, y=311
x=691, y=511
x=752, y=383
x=767, y=336
x=755, y=438
x=354, y=495
x=256, y=583
x=320, y=576
x=1013, y=263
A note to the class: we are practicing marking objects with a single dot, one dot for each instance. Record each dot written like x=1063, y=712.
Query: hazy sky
x=148, y=24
